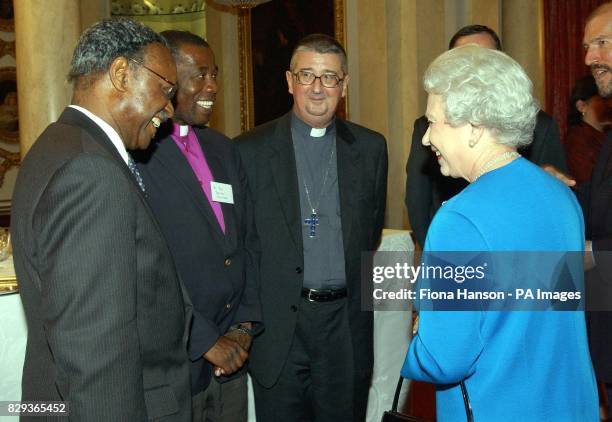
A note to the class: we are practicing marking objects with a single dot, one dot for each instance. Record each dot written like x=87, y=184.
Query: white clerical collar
x=317, y=132
x=108, y=130
x=183, y=130
x=314, y=132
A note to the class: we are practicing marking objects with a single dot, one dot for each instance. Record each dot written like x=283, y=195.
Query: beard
x=604, y=88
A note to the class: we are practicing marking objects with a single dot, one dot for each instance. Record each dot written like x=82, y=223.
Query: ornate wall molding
x=247, y=109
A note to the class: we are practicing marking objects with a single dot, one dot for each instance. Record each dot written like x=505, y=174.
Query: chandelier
x=241, y=4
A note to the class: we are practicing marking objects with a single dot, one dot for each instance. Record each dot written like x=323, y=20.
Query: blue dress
x=521, y=365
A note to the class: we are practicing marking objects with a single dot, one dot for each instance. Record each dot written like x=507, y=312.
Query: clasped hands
x=229, y=353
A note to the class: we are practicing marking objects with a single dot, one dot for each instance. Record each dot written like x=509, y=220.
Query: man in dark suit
x=104, y=306
x=596, y=199
x=427, y=188
x=198, y=191
x=319, y=189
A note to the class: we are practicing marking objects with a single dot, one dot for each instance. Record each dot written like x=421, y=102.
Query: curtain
x=563, y=53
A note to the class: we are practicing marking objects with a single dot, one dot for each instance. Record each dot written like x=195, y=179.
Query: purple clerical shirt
x=191, y=149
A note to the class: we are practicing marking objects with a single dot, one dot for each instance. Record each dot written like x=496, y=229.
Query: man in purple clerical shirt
x=197, y=189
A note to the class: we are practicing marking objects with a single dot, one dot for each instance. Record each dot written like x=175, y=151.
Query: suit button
x=228, y=306
x=298, y=270
x=228, y=262
x=293, y=308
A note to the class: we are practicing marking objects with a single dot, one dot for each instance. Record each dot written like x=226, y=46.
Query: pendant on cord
x=313, y=222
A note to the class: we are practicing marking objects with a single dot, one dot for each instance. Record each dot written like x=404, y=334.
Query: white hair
x=486, y=88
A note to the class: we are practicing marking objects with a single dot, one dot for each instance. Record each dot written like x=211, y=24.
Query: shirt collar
x=306, y=130
x=180, y=131
x=108, y=130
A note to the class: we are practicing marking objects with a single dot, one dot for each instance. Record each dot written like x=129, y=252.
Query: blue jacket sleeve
x=448, y=343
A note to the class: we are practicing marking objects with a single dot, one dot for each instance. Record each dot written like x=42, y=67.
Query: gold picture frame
x=247, y=103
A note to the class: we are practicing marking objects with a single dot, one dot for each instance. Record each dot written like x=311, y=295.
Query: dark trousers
x=221, y=402
x=317, y=382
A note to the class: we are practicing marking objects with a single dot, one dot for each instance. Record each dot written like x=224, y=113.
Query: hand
x=226, y=355
x=415, y=324
x=553, y=171
x=240, y=337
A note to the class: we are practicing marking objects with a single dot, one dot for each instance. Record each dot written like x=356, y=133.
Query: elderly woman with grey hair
x=518, y=365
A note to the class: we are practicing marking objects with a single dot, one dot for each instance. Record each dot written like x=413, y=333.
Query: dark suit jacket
x=104, y=307
x=427, y=188
x=268, y=156
x=219, y=270
x=595, y=196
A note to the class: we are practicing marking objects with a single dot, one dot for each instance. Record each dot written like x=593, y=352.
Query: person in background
x=198, y=191
x=426, y=188
x=480, y=112
x=319, y=187
x=107, y=319
x=588, y=120
x=595, y=196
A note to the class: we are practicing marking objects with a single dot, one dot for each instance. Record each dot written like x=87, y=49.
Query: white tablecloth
x=391, y=337
x=392, y=334
x=12, y=348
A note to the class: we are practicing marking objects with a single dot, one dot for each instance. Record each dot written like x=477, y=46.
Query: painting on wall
x=277, y=26
x=9, y=116
x=274, y=28
x=7, y=23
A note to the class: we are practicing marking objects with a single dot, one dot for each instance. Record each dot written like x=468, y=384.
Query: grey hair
x=106, y=40
x=486, y=88
x=322, y=44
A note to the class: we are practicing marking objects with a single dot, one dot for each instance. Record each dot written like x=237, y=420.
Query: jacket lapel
x=215, y=162
x=282, y=163
x=348, y=173
x=173, y=159
x=74, y=117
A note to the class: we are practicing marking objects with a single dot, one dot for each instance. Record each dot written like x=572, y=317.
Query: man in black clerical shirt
x=319, y=188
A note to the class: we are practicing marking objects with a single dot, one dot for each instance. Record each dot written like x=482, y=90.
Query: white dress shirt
x=108, y=129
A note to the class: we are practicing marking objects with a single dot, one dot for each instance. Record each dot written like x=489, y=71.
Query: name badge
x=222, y=192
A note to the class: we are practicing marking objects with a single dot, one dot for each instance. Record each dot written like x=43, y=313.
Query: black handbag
x=394, y=416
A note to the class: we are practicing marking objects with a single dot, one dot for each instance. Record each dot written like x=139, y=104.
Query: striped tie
x=136, y=173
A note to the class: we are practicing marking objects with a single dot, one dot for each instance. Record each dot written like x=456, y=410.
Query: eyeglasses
x=328, y=80
x=170, y=92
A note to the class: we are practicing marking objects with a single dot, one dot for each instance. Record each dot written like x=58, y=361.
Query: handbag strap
x=464, y=393
x=397, y=394
x=466, y=402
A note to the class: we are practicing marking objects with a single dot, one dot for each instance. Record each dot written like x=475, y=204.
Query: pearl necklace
x=498, y=158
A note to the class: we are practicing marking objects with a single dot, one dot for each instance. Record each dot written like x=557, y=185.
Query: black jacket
x=219, y=269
